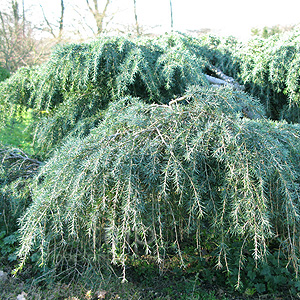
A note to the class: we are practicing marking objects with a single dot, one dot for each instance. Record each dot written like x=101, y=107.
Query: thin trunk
x=61, y=20
x=5, y=46
x=98, y=16
x=136, y=19
x=48, y=23
x=15, y=8
x=171, y=11
x=23, y=7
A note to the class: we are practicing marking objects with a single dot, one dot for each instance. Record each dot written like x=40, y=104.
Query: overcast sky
x=235, y=17
x=229, y=16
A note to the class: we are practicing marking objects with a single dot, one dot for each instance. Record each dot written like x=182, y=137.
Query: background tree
x=17, y=43
x=171, y=14
x=60, y=22
x=137, y=27
x=99, y=15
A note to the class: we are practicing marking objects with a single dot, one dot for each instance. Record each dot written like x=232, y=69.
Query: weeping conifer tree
x=168, y=172
x=142, y=155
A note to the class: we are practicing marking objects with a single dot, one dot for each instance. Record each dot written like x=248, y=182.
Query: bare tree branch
x=16, y=39
x=60, y=23
x=98, y=15
x=19, y=163
x=96, y=5
x=48, y=23
x=90, y=8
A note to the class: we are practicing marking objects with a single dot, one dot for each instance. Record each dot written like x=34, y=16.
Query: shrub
x=69, y=93
x=4, y=74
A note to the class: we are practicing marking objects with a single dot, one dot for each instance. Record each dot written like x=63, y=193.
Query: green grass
x=16, y=134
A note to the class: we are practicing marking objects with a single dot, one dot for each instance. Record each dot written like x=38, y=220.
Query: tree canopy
x=141, y=153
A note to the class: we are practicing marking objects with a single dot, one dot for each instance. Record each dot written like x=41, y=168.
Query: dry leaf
x=101, y=294
x=22, y=296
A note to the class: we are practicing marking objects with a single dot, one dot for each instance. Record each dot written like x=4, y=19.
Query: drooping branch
x=19, y=163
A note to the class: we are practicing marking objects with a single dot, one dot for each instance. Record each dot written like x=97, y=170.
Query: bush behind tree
x=4, y=74
x=269, y=69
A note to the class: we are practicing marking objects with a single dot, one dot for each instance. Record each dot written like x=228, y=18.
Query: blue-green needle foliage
x=269, y=68
x=69, y=93
x=168, y=172
x=127, y=165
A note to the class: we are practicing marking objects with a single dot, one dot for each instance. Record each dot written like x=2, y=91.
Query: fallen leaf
x=101, y=294
x=22, y=296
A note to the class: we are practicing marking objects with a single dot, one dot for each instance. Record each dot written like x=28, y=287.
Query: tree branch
x=90, y=8
x=98, y=16
x=96, y=5
x=19, y=163
x=222, y=79
x=48, y=23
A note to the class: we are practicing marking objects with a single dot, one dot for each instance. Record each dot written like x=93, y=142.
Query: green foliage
x=8, y=246
x=17, y=89
x=269, y=276
x=15, y=112
x=220, y=52
x=269, y=67
x=266, y=32
x=4, y=74
x=69, y=92
x=130, y=172
x=171, y=171
x=16, y=172
x=16, y=133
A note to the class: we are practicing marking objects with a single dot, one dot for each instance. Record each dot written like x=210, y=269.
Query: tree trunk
x=220, y=79
x=98, y=15
x=15, y=8
x=171, y=11
x=136, y=19
x=61, y=20
x=23, y=7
